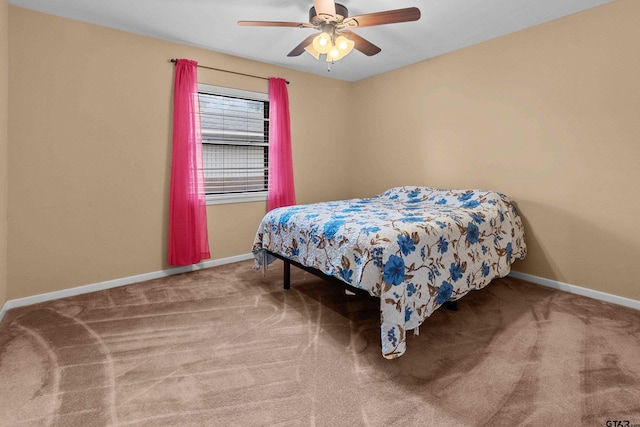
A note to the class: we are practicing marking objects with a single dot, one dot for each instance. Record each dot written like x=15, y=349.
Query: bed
x=415, y=248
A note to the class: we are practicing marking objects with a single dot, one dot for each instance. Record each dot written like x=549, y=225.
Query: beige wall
x=549, y=116
x=4, y=143
x=90, y=141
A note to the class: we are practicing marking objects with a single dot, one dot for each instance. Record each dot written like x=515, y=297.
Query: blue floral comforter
x=414, y=247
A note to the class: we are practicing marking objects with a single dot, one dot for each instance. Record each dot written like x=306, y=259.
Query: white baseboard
x=21, y=302
x=603, y=296
x=79, y=290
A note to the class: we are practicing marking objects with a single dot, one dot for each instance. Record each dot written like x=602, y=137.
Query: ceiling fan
x=335, y=38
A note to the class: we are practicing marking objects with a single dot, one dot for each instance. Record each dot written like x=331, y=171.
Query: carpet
x=227, y=346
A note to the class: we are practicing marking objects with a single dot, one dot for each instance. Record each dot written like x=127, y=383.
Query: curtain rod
x=175, y=61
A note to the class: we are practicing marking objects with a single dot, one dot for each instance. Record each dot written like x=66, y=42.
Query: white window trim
x=219, y=199
x=227, y=91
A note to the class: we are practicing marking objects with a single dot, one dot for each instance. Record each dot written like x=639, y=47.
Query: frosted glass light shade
x=322, y=43
x=344, y=45
x=334, y=54
x=311, y=51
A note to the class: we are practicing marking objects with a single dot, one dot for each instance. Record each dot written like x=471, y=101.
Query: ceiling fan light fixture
x=322, y=43
x=334, y=54
x=335, y=38
x=311, y=51
x=344, y=45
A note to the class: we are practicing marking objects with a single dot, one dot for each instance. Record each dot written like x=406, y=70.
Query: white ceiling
x=445, y=25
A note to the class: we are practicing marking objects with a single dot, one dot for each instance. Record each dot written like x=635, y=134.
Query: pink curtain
x=188, y=236
x=281, y=188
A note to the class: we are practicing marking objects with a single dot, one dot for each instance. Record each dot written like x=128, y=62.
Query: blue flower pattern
x=443, y=245
x=455, y=270
x=332, y=227
x=444, y=292
x=473, y=233
x=414, y=247
x=346, y=275
x=394, y=270
x=406, y=244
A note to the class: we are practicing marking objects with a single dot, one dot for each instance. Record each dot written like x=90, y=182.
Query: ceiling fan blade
x=297, y=51
x=363, y=45
x=325, y=8
x=387, y=17
x=274, y=24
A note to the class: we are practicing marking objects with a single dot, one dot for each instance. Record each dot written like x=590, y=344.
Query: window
x=235, y=144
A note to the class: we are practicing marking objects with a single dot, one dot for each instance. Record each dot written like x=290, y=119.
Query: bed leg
x=452, y=305
x=287, y=275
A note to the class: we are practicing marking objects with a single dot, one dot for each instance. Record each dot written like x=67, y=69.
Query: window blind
x=235, y=143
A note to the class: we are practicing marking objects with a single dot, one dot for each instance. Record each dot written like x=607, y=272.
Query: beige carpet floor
x=229, y=347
